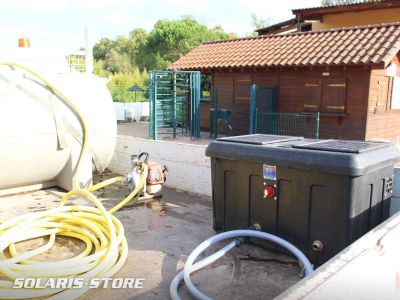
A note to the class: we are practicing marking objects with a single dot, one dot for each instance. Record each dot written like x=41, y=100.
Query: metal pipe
x=89, y=51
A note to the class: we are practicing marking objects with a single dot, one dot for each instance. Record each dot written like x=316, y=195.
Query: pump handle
x=146, y=157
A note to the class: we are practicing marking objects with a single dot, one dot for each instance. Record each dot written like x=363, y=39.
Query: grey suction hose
x=190, y=268
x=173, y=289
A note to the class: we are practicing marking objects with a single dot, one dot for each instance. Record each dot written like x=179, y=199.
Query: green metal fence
x=287, y=123
x=77, y=62
x=174, y=103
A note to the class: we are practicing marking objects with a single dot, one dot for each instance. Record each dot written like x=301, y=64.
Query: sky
x=60, y=24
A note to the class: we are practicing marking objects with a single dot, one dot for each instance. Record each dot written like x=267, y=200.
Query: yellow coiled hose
x=106, y=246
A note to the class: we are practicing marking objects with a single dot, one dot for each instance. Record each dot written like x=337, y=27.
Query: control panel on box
x=269, y=183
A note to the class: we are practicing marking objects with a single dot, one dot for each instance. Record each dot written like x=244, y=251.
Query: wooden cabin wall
x=205, y=115
x=383, y=122
x=233, y=87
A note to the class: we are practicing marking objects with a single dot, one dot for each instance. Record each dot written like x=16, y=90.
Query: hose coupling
x=255, y=226
x=317, y=246
x=241, y=240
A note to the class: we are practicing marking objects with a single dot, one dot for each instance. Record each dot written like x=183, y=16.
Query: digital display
x=269, y=172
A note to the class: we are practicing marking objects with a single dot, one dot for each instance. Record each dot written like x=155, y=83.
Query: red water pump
x=155, y=176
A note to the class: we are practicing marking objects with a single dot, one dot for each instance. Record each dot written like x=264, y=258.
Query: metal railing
x=287, y=123
x=174, y=103
x=77, y=60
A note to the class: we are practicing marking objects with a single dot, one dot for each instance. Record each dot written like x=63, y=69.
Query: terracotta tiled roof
x=356, y=3
x=346, y=46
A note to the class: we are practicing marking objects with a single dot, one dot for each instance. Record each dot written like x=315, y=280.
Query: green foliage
x=205, y=85
x=258, y=22
x=100, y=70
x=138, y=37
x=171, y=39
x=165, y=43
x=102, y=47
x=118, y=62
x=121, y=82
x=126, y=59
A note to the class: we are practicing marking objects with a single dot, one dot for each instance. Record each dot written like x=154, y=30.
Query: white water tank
x=40, y=137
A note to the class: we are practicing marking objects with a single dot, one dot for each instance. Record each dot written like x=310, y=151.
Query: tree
x=100, y=69
x=171, y=39
x=116, y=62
x=258, y=22
x=102, y=47
x=137, y=38
x=122, y=44
x=126, y=59
x=165, y=43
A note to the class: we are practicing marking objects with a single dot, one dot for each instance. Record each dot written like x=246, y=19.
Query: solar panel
x=259, y=139
x=342, y=146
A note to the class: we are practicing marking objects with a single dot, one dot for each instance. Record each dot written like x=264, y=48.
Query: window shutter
x=242, y=89
x=382, y=103
x=334, y=96
x=312, y=101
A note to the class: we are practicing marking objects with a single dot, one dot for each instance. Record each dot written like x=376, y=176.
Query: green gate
x=263, y=99
x=174, y=103
x=265, y=119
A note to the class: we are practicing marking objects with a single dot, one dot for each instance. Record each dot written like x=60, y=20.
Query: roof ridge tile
x=278, y=35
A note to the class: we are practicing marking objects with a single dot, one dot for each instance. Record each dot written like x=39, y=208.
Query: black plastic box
x=328, y=192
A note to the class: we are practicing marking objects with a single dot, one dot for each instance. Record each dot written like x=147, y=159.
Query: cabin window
x=383, y=96
x=325, y=95
x=312, y=100
x=205, y=87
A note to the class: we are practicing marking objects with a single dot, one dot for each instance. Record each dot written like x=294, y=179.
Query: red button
x=269, y=191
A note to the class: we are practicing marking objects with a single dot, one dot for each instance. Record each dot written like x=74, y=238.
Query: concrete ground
x=160, y=235
x=141, y=130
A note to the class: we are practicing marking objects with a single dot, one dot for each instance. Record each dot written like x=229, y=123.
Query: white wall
x=189, y=168
x=119, y=111
x=139, y=109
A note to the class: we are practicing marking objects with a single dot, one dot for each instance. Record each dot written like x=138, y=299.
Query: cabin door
x=263, y=108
